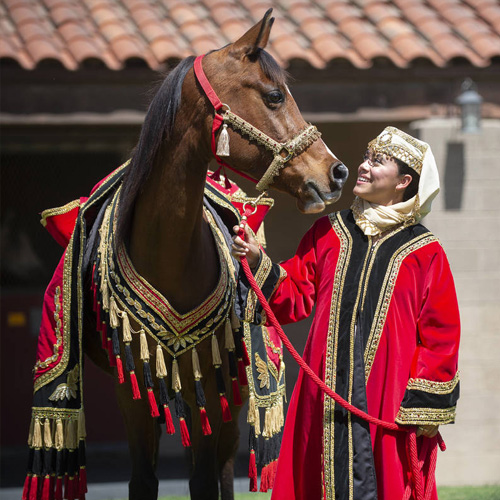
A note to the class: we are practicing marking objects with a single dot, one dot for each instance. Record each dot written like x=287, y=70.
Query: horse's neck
x=171, y=245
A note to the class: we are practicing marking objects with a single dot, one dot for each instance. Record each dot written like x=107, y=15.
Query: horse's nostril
x=340, y=172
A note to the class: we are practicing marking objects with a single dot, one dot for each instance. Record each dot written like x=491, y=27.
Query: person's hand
x=248, y=248
x=427, y=430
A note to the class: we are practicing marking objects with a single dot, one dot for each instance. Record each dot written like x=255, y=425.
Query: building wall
x=466, y=220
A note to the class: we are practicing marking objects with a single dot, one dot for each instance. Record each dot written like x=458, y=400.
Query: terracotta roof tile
x=316, y=32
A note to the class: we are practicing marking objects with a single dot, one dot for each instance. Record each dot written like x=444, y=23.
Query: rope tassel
x=223, y=142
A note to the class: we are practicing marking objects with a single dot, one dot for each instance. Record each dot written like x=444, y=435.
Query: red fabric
x=424, y=296
x=169, y=424
x=61, y=226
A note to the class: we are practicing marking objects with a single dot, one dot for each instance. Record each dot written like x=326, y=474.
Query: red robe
x=385, y=337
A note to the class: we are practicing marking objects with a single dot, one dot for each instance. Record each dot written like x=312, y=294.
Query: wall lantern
x=470, y=107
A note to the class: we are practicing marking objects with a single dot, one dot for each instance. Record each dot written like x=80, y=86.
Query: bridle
x=283, y=151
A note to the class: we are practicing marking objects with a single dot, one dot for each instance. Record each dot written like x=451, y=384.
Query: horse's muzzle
x=339, y=174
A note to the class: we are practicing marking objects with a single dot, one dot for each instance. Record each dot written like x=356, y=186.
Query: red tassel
x=98, y=322
x=264, y=479
x=169, y=424
x=104, y=333
x=252, y=471
x=153, y=406
x=111, y=356
x=242, y=372
x=26, y=489
x=205, y=424
x=76, y=486
x=186, y=441
x=246, y=359
x=34, y=488
x=272, y=474
x=226, y=412
x=59, y=489
x=46, y=488
x=227, y=182
x=119, y=369
x=94, y=303
x=135, y=386
x=69, y=490
x=216, y=175
x=236, y=392
x=83, y=481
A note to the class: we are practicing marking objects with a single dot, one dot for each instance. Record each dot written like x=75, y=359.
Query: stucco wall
x=466, y=219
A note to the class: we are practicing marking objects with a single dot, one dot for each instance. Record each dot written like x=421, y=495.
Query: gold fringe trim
x=229, y=336
x=59, y=435
x=176, y=379
x=31, y=432
x=161, y=368
x=82, y=433
x=144, y=345
x=37, y=435
x=196, y=364
x=216, y=359
x=251, y=410
x=70, y=437
x=105, y=295
x=235, y=321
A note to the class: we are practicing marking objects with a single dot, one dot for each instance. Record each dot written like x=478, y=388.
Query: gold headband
x=398, y=144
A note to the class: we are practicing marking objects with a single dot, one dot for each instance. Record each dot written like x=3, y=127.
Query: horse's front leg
x=143, y=434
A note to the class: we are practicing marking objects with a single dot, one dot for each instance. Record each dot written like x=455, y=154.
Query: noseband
x=283, y=151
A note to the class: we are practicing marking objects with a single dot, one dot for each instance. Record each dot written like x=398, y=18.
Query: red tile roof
x=116, y=32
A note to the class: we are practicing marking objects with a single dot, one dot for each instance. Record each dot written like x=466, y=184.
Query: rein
x=283, y=151
x=417, y=462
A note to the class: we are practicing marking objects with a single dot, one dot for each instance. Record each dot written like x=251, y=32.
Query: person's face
x=379, y=180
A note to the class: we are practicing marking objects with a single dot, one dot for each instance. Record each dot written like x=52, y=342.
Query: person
x=385, y=333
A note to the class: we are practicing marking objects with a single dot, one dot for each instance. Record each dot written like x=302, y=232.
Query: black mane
x=156, y=129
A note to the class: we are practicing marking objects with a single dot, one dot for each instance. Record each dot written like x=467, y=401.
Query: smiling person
x=385, y=333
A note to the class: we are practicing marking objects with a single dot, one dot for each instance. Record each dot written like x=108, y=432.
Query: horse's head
x=254, y=87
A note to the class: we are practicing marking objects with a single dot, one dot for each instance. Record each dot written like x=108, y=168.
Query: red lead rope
x=430, y=447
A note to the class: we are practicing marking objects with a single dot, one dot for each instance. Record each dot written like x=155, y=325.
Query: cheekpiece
x=398, y=144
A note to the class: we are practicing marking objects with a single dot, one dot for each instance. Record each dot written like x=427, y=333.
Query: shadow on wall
x=454, y=176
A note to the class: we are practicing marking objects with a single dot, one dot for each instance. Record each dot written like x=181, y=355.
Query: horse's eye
x=275, y=97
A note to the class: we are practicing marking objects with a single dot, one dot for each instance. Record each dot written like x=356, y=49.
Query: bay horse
x=162, y=222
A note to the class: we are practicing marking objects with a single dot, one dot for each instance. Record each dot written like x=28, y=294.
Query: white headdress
x=374, y=219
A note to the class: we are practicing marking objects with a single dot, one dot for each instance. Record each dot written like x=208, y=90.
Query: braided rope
x=411, y=440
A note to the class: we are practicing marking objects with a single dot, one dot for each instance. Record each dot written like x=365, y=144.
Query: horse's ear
x=255, y=38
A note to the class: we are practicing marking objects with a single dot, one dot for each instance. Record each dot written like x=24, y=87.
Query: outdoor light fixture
x=470, y=107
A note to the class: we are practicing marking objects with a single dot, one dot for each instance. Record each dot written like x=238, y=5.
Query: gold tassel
x=82, y=433
x=30, y=433
x=257, y=421
x=47, y=434
x=176, y=379
x=196, y=365
x=216, y=359
x=37, y=434
x=105, y=295
x=251, y=410
x=126, y=330
x=114, y=322
x=144, y=346
x=229, y=336
x=161, y=368
x=70, y=438
x=223, y=142
x=235, y=321
x=59, y=435
x=267, y=423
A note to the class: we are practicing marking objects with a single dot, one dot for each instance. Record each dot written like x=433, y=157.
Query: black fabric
x=421, y=399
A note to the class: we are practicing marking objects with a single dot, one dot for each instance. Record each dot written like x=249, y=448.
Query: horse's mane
x=157, y=128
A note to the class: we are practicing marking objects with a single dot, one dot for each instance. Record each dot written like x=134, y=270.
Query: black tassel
x=60, y=469
x=31, y=454
x=47, y=461
x=82, y=458
x=148, y=378
x=233, y=367
x=221, y=386
x=116, y=342
x=265, y=452
x=179, y=405
x=201, y=402
x=164, y=399
x=72, y=458
x=129, y=359
x=37, y=462
x=253, y=443
x=238, y=339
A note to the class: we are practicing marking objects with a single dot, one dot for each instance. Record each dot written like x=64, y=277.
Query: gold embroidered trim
x=385, y=296
x=260, y=274
x=432, y=386
x=53, y=413
x=345, y=241
x=51, y=359
x=425, y=416
x=51, y=212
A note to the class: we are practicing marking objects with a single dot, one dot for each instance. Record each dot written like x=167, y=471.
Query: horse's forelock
x=156, y=129
x=271, y=68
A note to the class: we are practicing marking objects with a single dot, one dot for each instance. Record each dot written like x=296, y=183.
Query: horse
x=161, y=221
